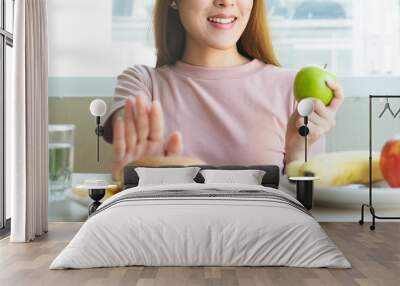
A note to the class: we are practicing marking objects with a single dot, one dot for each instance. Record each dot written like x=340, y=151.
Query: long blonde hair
x=255, y=41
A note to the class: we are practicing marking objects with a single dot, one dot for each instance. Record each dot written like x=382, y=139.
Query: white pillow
x=162, y=176
x=249, y=177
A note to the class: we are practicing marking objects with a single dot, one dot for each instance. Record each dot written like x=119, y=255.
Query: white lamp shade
x=305, y=107
x=98, y=107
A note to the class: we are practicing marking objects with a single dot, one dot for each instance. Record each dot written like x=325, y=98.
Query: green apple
x=310, y=82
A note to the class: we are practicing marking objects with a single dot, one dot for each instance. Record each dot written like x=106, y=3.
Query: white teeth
x=221, y=20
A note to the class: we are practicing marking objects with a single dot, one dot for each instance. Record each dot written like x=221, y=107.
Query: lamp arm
x=303, y=131
x=99, y=132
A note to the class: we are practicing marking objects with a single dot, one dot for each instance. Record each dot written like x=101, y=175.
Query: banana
x=293, y=169
x=338, y=168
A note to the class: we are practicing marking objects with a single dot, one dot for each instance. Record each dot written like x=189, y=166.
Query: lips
x=222, y=19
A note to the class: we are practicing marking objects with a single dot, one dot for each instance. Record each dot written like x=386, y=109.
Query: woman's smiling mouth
x=222, y=21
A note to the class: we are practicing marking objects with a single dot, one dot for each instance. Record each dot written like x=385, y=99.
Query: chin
x=221, y=45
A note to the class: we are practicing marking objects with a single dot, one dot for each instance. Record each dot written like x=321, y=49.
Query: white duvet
x=183, y=231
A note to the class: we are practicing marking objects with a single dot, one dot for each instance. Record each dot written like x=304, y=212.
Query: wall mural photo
x=183, y=83
x=212, y=142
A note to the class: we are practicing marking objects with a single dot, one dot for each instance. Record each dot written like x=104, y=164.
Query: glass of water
x=61, y=159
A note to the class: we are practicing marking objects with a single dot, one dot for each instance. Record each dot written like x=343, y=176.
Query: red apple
x=390, y=162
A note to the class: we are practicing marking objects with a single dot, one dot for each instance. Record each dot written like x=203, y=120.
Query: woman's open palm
x=140, y=134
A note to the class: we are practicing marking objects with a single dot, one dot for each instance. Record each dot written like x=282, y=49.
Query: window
x=354, y=37
x=131, y=21
x=6, y=43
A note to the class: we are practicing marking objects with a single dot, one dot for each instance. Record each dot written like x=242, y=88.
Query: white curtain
x=27, y=121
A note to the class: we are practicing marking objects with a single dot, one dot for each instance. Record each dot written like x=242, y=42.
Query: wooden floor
x=375, y=257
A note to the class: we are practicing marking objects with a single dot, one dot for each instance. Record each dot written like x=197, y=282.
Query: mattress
x=201, y=225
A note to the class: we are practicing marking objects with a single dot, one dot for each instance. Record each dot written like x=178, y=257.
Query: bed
x=201, y=224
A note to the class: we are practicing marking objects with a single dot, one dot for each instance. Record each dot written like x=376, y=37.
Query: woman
x=217, y=90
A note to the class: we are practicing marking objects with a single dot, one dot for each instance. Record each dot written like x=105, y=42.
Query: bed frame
x=270, y=179
x=131, y=178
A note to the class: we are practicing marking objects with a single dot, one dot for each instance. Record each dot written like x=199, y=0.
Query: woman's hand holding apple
x=319, y=123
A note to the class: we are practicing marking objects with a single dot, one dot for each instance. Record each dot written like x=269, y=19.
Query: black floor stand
x=374, y=216
x=370, y=206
